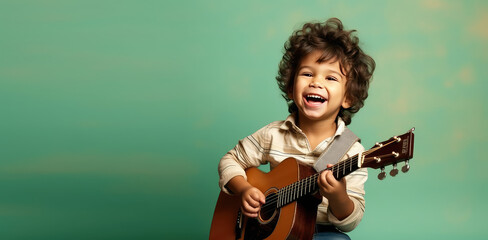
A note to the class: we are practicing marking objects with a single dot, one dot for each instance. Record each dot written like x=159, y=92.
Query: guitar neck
x=308, y=185
x=344, y=168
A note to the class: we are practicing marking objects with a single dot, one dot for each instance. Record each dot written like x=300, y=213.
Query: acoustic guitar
x=292, y=196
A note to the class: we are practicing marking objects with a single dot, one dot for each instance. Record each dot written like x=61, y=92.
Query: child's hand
x=335, y=191
x=330, y=187
x=251, y=201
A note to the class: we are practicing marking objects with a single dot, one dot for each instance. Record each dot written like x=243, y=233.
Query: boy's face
x=319, y=89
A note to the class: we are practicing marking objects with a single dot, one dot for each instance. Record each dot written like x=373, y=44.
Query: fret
x=302, y=193
x=308, y=185
x=295, y=192
x=288, y=194
x=283, y=194
x=343, y=169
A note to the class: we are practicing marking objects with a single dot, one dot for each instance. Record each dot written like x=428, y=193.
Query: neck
x=317, y=130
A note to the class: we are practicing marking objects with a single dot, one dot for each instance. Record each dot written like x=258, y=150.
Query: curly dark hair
x=335, y=43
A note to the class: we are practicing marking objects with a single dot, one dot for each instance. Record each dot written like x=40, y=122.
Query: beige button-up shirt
x=283, y=139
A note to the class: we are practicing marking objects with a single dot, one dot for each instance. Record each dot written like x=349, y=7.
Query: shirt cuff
x=350, y=222
x=227, y=175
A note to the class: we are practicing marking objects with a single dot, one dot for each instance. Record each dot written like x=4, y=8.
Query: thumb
x=258, y=196
x=262, y=198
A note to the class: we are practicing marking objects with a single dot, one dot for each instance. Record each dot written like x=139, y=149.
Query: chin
x=313, y=117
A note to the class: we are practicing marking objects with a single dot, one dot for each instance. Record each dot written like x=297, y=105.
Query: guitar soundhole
x=264, y=225
x=268, y=210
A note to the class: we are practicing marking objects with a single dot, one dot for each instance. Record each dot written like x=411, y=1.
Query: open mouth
x=312, y=98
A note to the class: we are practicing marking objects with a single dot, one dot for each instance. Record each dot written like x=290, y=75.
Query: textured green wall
x=114, y=114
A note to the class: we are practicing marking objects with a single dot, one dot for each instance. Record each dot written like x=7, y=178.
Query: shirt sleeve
x=355, y=189
x=249, y=152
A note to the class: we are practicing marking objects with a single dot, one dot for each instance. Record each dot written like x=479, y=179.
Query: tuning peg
x=394, y=171
x=406, y=167
x=382, y=174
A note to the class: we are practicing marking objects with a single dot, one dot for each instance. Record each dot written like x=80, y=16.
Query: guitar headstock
x=390, y=152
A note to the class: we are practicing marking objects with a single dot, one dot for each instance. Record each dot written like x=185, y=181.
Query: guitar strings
x=289, y=193
x=373, y=149
x=306, y=182
x=296, y=190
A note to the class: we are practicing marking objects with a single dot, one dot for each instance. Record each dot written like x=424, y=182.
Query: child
x=324, y=77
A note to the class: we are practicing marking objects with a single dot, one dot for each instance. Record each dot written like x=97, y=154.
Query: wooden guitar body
x=292, y=197
x=292, y=221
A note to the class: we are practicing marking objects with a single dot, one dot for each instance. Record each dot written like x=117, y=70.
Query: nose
x=316, y=83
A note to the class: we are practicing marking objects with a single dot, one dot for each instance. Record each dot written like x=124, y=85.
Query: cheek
x=292, y=92
x=295, y=96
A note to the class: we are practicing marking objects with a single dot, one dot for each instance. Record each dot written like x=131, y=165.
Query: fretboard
x=309, y=185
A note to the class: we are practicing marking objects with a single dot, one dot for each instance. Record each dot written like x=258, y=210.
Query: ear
x=346, y=103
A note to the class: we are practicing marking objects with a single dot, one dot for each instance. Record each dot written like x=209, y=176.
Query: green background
x=114, y=114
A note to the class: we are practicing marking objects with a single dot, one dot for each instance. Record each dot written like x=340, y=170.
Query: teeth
x=315, y=96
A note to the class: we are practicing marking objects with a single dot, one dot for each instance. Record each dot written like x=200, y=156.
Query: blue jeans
x=330, y=236
x=329, y=232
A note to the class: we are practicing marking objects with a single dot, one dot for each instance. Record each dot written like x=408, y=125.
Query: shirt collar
x=289, y=124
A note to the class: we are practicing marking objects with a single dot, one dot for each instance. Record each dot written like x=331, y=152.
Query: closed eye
x=306, y=74
x=331, y=78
